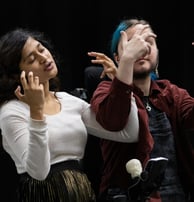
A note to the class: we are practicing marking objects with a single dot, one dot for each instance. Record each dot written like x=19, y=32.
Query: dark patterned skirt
x=64, y=184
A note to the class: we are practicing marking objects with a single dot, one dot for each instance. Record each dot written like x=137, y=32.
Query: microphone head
x=134, y=168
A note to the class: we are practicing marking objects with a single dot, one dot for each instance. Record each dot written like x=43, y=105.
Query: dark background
x=76, y=27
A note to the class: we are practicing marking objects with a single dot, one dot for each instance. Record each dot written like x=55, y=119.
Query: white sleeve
x=27, y=140
x=129, y=134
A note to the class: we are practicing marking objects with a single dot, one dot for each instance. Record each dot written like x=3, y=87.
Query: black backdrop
x=76, y=27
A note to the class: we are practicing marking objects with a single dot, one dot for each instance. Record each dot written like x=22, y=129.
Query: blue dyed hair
x=153, y=75
x=116, y=36
x=124, y=25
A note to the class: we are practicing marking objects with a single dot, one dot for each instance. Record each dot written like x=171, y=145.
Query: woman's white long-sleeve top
x=36, y=145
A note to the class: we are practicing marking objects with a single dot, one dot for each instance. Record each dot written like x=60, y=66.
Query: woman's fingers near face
x=30, y=78
x=36, y=80
x=23, y=79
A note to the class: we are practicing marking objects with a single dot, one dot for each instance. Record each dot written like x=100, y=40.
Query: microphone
x=134, y=168
x=144, y=182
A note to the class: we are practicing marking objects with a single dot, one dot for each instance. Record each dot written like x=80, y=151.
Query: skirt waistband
x=65, y=165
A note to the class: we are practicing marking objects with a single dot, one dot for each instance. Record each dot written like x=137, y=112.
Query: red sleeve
x=111, y=103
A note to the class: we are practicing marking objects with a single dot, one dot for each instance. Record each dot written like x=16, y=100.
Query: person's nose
x=42, y=58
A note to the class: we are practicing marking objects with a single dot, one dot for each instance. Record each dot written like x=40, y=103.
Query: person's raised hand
x=137, y=45
x=33, y=94
x=109, y=66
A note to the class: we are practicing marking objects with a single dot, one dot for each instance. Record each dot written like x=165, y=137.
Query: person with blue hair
x=115, y=40
x=166, y=119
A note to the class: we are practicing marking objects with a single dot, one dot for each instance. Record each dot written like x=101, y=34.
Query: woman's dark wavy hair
x=11, y=45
